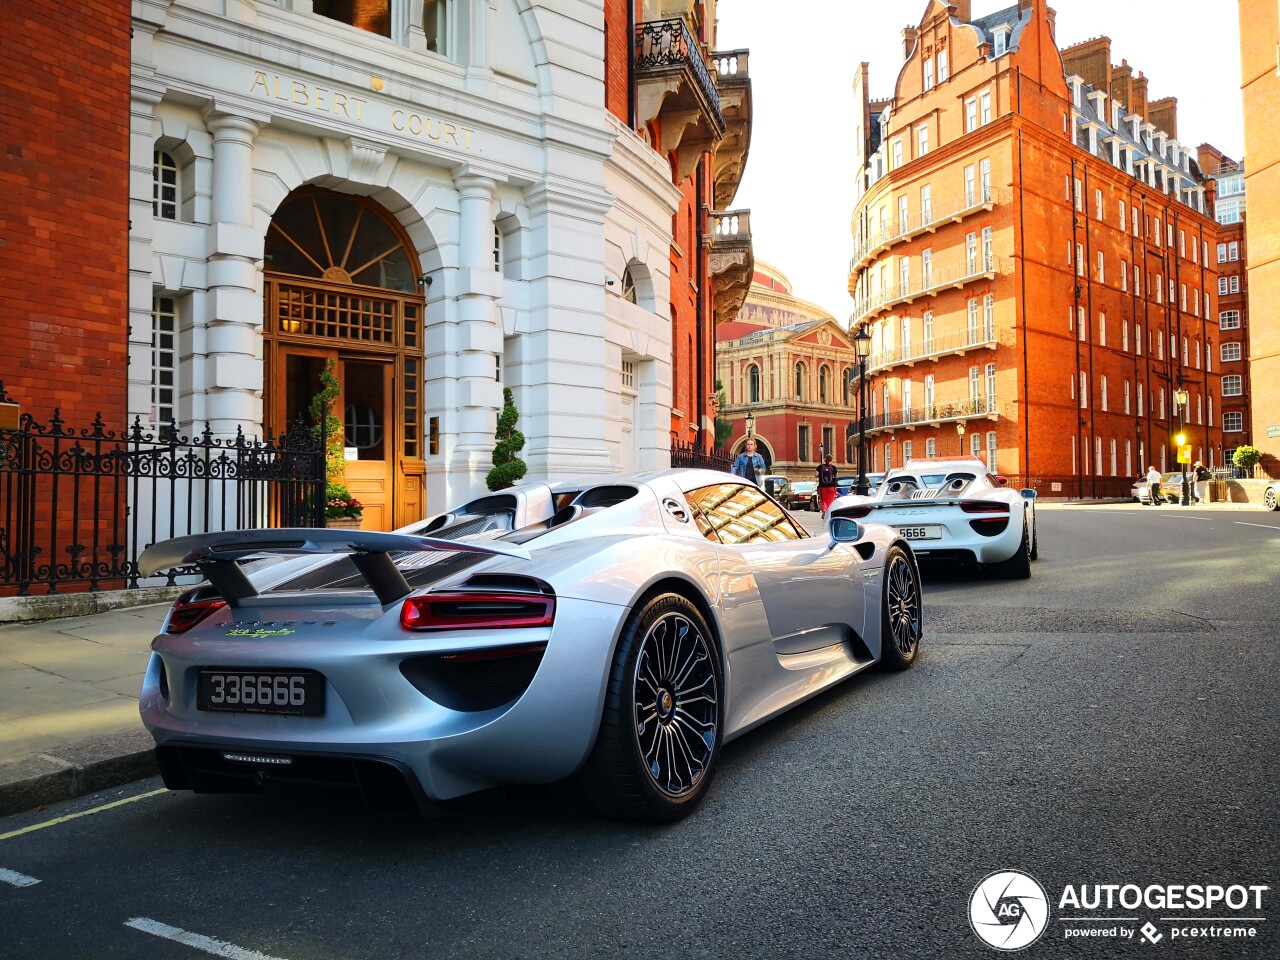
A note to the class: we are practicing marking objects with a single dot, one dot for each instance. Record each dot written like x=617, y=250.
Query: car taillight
x=852, y=513
x=188, y=611
x=983, y=506
x=477, y=611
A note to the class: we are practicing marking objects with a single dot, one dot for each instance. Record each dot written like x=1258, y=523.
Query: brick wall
x=617, y=51
x=64, y=207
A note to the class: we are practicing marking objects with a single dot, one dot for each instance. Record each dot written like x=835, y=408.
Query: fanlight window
x=628, y=286
x=337, y=239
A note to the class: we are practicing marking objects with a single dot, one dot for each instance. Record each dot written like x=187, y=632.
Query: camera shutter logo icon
x=1009, y=910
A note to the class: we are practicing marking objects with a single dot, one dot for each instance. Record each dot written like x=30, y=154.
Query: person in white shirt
x=1153, y=478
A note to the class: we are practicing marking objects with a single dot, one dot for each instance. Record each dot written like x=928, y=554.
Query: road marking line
x=13, y=878
x=1178, y=516
x=1264, y=526
x=218, y=948
x=83, y=813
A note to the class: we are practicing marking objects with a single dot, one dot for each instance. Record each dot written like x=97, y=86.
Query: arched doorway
x=341, y=286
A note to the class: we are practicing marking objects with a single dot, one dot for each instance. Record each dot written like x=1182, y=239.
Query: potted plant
x=341, y=508
x=507, y=467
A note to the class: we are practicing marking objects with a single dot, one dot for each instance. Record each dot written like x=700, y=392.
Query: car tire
x=1269, y=499
x=1035, y=539
x=661, y=730
x=1017, y=567
x=901, y=613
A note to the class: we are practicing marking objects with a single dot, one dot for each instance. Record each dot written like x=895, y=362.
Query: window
x=973, y=321
x=802, y=443
x=1229, y=320
x=1102, y=329
x=989, y=317
x=931, y=448
x=928, y=73
x=903, y=225
x=1222, y=286
x=628, y=375
x=1230, y=352
x=1097, y=204
x=1079, y=195
x=971, y=253
x=922, y=140
x=1102, y=395
x=1197, y=354
x=1124, y=223
x=164, y=360
x=1233, y=251
x=970, y=115
x=1159, y=344
x=497, y=250
x=374, y=16
x=975, y=444
x=970, y=187
x=800, y=383
x=1169, y=228
x=1233, y=423
x=1157, y=232
x=906, y=452
x=753, y=384
x=1135, y=221
x=1079, y=259
x=740, y=513
x=1142, y=410
x=984, y=107
x=1195, y=251
x=1124, y=275
x=991, y=451
x=942, y=65
x=1124, y=335
x=824, y=377
x=888, y=457
x=928, y=331
x=1195, y=301
x=926, y=205
x=1186, y=354
x=1084, y=390
x=974, y=374
x=991, y=387
x=1082, y=325
x=1102, y=268
x=1001, y=40
x=829, y=441
x=1234, y=285
x=904, y=276
x=164, y=186
x=1113, y=456
x=984, y=178
x=926, y=268
x=896, y=148
x=988, y=250
x=435, y=25
x=1182, y=302
x=1126, y=397
x=930, y=394
x=628, y=284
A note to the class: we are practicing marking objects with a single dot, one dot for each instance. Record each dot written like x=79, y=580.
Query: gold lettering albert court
x=339, y=104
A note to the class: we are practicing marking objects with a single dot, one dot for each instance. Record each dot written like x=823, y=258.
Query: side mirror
x=1002, y=481
x=1028, y=493
x=844, y=530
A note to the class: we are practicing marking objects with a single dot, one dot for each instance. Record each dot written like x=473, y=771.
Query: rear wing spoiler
x=218, y=555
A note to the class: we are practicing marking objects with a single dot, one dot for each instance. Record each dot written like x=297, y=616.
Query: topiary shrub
x=507, y=467
x=1246, y=457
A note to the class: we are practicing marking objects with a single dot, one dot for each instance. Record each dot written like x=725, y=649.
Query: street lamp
x=751, y=424
x=862, y=347
x=1180, y=397
x=960, y=432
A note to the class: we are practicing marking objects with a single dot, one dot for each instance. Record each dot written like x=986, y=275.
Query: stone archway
x=341, y=288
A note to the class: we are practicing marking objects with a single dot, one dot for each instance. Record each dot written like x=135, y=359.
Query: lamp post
x=1180, y=397
x=751, y=424
x=960, y=433
x=862, y=347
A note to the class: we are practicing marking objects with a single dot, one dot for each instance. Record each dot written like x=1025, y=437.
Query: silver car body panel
x=792, y=618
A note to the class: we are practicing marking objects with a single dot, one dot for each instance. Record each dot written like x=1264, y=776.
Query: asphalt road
x=1113, y=720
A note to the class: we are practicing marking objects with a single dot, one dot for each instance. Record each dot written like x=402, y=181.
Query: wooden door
x=368, y=418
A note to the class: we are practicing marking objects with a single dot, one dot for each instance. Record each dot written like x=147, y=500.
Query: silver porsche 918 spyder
x=954, y=510
x=616, y=631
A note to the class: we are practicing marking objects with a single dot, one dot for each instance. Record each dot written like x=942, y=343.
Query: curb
x=76, y=770
x=58, y=606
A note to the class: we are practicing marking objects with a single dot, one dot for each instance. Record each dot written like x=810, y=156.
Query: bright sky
x=798, y=182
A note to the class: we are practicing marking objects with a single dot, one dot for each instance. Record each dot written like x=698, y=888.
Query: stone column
x=234, y=251
x=145, y=95
x=468, y=395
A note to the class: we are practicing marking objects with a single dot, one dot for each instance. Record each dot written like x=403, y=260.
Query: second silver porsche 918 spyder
x=954, y=511
x=617, y=631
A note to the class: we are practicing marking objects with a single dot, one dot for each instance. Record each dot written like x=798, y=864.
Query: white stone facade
x=254, y=100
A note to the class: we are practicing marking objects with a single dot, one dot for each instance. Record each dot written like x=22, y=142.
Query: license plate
x=931, y=531
x=290, y=692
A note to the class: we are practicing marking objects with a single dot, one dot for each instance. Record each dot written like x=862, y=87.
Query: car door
x=809, y=598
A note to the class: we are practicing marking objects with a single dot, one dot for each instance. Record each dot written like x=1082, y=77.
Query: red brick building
x=1033, y=258
x=692, y=104
x=64, y=209
x=788, y=364
x=1233, y=301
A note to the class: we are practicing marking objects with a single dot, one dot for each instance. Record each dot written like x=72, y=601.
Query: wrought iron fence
x=78, y=506
x=692, y=455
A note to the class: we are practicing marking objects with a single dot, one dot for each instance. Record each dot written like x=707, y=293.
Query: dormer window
x=1000, y=40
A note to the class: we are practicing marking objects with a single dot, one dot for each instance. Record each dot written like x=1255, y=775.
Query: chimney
x=909, y=35
x=963, y=10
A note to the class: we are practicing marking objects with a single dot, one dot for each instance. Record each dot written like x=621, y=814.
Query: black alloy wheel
x=661, y=729
x=901, y=613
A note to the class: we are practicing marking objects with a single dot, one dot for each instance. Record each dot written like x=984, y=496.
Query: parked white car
x=954, y=510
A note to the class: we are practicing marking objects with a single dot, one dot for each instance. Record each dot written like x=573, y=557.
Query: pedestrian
x=1202, y=478
x=748, y=464
x=1153, y=478
x=826, y=484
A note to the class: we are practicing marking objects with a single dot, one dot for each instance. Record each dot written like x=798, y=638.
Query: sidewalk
x=69, y=720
